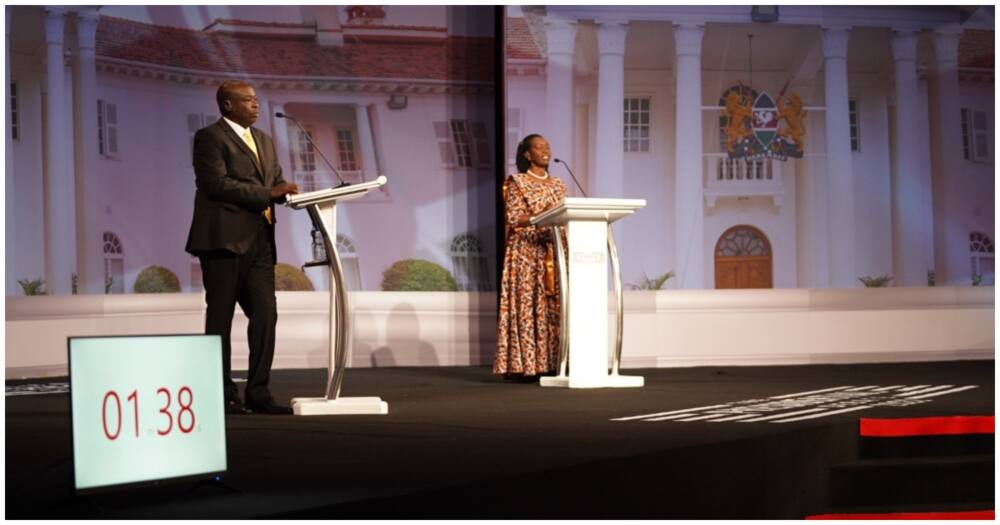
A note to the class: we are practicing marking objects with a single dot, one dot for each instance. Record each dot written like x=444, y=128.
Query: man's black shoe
x=235, y=407
x=268, y=407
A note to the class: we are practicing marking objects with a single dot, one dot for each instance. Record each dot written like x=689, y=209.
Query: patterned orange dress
x=528, y=329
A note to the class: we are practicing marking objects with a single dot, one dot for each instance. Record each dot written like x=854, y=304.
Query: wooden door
x=743, y=259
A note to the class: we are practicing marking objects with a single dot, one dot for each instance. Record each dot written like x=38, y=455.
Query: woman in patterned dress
x=528, y=330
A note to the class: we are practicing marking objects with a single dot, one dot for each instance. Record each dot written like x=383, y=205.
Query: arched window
x=114, y=264
x=743, y=241
x=468, y=263
x=983, y=267
x=349, y=259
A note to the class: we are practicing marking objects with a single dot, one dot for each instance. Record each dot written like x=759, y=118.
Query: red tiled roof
x=453, y=58
x=975, y=49
x=521, y=43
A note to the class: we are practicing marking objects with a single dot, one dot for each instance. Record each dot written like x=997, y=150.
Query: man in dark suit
x=238, y=181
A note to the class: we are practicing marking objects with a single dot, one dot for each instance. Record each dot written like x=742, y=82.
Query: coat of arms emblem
x=757, y=126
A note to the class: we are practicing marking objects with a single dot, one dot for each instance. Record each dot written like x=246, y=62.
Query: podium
x=322, y=208
x=583, y=277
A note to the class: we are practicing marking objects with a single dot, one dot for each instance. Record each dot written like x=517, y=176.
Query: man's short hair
x=226, y=89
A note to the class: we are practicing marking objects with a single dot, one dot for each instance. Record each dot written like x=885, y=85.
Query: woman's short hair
x=522, y=163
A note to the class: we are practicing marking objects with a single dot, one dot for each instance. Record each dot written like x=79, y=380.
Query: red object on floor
x=926, y=426
x=964, y=515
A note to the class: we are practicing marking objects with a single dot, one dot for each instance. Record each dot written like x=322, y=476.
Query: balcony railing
x=735, y=178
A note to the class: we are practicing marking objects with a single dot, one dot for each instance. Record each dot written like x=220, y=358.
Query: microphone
x=560, y=161
x=315, y=147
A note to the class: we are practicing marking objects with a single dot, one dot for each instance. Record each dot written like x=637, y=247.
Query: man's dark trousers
x=246, y=279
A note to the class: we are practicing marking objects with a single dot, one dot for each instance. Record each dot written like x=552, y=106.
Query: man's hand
x=279, y=191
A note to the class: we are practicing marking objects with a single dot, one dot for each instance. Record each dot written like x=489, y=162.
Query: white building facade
x=897, y=175
x=102, y=111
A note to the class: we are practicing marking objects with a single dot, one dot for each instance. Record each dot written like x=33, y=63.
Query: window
x=107, y=128
x=976, y=135
x=349, y=260
x=469, y=264
x=197, y=282
x=305, y=160
x=983, y=264
x=513, y=134
x=114, y=264
x=965, y=134
x=306, y=182
x=852, y=112
x=743, y=241
x=15, y=131
x=636, y=124
x=463, y=143
x=346, y=157
x=980, y=136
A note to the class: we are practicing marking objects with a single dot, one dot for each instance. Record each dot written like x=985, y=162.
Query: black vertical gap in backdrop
x=500, y=136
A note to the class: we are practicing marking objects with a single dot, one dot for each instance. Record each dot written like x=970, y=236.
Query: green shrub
x=288, y=278
x=32, y=286
x=651, y=283
x=881, y=281
x=156, y=279
x=416, y=275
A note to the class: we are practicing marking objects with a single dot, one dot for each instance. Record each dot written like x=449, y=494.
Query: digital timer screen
x=146, y=408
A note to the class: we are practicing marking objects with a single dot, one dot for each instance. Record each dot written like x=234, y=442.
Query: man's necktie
x=248, y=138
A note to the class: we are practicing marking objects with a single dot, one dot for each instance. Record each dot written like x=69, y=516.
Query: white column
x=813, y=245
x=89, y=267
x=688, y=201
x=607, y=179
x=950, y=236
x=559, y=92
x=912, y=213
x=60, y=194
x=840, y=179
x=609, y=161
x=365, y=142
x=9, y=224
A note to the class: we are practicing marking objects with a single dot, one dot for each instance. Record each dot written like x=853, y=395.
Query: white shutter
x=442, y=133
x=111, y=122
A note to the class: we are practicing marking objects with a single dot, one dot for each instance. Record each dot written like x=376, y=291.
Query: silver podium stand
x=322, y=208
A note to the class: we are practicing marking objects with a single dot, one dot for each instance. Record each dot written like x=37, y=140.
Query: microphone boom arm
x=560, y=161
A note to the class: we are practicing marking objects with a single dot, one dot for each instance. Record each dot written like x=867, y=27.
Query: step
x=925, y=436
x=896, y=481
x=932, y=515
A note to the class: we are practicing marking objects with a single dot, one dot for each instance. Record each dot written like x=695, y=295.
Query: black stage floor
x=460, y=443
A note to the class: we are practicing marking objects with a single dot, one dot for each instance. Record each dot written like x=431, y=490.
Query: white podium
x=583, y=277
x=322, y=208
